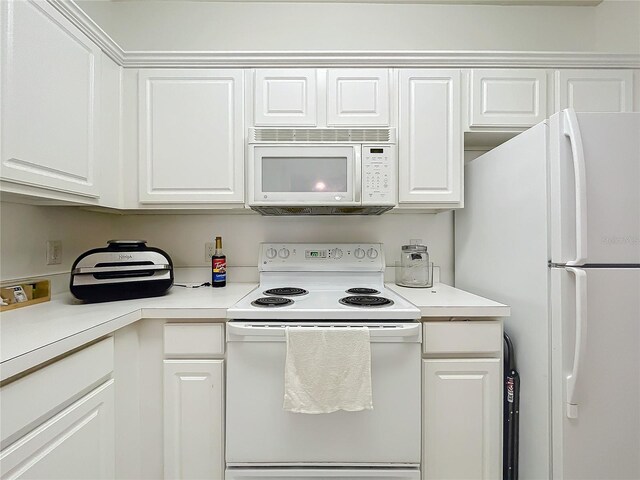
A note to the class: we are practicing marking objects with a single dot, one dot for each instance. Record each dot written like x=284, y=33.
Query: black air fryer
x=124, y=269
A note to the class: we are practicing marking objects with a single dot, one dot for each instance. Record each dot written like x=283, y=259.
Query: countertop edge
x=42, y=354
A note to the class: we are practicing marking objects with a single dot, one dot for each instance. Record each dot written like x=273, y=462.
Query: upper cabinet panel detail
x=430, y=138
x=358, y=97
x=507, y=98
x=595, y=90
x=285, y=97
x=191, y=136
x=49, y=100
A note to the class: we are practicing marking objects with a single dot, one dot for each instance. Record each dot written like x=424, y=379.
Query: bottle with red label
x=218, y=266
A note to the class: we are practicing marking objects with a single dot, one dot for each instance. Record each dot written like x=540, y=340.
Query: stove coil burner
x=271, y=302
x=366, y=301
x=363, y=291
x=286, y=292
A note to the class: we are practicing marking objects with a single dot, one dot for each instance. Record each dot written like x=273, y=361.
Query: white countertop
x=32, y=335
x=445, y=301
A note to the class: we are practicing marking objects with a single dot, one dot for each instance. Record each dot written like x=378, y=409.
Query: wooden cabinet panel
x=430, y=138
x=507, y=97
x=49, y=100
x=191, y=136
x=358, y=97
x=594, y=90
x=285, y=97
x=78, y=443
x=193, y=422
x=461, y=419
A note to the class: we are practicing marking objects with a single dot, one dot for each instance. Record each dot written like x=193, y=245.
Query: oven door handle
x=278, y=329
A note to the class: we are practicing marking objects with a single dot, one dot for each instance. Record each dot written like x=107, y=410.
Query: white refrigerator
x=551, y=226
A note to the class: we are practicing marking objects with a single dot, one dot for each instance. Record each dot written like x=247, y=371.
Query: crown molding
x=434, y=59
x=410, y=58
x=91, y=29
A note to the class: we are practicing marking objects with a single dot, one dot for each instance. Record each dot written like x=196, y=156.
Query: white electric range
x=300, y=282
x=310, y=286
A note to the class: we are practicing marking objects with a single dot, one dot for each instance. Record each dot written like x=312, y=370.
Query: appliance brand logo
x=125, y=256
x=620, y=240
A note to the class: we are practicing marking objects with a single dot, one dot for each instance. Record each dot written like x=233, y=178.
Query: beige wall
x=612, y=26
x=25, y=230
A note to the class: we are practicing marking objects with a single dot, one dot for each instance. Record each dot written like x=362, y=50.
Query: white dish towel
x=327, y=369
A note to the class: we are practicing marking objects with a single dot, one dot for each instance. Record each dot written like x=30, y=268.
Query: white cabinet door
x=285, y=97
x=594, y=90
x=462, y=419
x=193, y=419
x=358, y=97
x=49, y=100
x=191, y=136
x=430, y=139
x=78, y=443
x=507, y=97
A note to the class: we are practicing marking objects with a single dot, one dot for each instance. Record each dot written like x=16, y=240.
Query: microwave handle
x=357, y=174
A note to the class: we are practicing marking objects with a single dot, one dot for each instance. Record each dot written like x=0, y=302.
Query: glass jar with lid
x=415, y=269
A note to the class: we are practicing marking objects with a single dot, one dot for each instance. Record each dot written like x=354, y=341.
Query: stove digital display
x=315, y=254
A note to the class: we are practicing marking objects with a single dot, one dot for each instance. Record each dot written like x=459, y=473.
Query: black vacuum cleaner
x=511, y=413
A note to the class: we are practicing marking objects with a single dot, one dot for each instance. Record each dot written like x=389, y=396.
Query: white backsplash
x=25, y=230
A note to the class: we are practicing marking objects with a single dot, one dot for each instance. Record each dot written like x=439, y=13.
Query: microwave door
x=306, y=175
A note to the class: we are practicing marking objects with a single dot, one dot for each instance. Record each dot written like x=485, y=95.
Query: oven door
x=261, y=433
x=305, y=174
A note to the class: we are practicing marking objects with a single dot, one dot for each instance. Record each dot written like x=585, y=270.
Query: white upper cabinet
x=309, y=97
x=358, y=97
x=594, y=90
x=191, y=136
x=49, y=101
x=430, y=138
x=507, y=97
x=285, y=97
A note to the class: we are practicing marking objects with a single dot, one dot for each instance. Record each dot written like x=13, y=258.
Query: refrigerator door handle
x=581, y=340
x=572, y=130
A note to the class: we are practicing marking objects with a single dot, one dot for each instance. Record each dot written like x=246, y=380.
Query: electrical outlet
x=54, y=252
x=209, y=250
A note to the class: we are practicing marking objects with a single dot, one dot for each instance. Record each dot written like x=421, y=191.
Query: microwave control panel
x=379, y=174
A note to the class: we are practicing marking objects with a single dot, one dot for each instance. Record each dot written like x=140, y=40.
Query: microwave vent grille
x=319, y=210
x=322, y=135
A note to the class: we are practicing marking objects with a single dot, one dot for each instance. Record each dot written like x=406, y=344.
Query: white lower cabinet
x=462, y=401
x=77, y=443
x=461, y=419
x=58, y=421
x=193, y=401
x=193, y=419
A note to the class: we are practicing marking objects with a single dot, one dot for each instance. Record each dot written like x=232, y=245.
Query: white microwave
x=322, y=171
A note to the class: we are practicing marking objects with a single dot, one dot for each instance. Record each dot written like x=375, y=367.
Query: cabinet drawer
x=483, y=338
x=193, y=339
x=76, y=443
x=34, y=397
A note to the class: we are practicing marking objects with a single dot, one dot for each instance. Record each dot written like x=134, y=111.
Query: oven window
x=304, y=174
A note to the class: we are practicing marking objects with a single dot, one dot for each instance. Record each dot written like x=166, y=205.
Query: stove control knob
x=283, y=253
x=359, y=253
x=271, y=253
x=372, y=253
x=337, y=253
